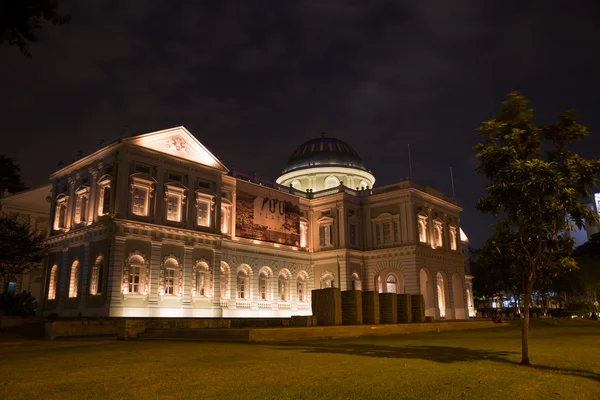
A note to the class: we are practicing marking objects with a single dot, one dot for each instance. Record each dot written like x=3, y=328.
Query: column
x=233, y=211
x=343, y=268
x=92, y=209
x=188, y=270
x=155, y=261
x=159, y=196
x=84, y=277
x=429, y=226
x=62, y=290
x=311, y=230
x=114, y=286
x=341, y=225
x=71, y=202
x=216, y=273
x=217, y=220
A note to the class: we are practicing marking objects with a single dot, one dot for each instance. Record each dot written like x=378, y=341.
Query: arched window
x=74, y=280
x=224, y=280
x=96, y=281
x=283, y=286
x=264, y=286
x=331, y=182
x=437, y=229
x=327, y=280
x=452, y=238
x=170, y=278
x=296, y=184
x=356, y=283
x=363, y=185
x=52, y=282
x=391, y=284
x=422, y=224
x=201, y=280
x=301, y=286
x=135, y=274
x=242, y=285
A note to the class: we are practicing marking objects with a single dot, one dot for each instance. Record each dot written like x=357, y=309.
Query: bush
x=21, y=304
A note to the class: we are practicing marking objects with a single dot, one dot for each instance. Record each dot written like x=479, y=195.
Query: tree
x=20, y=21
x=21, y=249
x=10, y=171
x=535, y=181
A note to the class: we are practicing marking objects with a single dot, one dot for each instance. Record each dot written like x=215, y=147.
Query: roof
x=324, y=152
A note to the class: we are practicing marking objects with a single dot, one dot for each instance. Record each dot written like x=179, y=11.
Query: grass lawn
x=481, y=364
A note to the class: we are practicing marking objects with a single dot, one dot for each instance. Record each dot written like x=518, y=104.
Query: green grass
x=480, y=364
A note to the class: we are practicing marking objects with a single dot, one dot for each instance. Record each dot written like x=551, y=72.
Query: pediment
x=178, y=142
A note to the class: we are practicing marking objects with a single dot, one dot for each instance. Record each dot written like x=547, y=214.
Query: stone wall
x=96, y=327
x=404, y=308
x=388, y=310
x=352, y=313
x=370, y=308
x=418, y=308
x=327, y=306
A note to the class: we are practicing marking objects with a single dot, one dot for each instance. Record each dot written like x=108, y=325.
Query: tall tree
x=21, y=249
x=535, y=181
x=9, y=171
x=20, y=21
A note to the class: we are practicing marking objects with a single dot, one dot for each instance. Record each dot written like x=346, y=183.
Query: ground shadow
x=441, y=354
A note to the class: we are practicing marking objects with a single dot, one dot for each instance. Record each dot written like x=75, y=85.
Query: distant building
x=32, y=207
x=580, y=236
x=155, y=226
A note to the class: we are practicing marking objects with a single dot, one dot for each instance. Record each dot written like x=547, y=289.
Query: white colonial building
x=155, y=225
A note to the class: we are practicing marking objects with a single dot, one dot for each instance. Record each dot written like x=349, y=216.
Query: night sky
x=253, y=80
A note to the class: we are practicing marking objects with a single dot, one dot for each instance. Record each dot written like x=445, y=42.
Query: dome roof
x=324, y=152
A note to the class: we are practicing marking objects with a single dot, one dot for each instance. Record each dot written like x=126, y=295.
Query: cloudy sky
x=254, y=79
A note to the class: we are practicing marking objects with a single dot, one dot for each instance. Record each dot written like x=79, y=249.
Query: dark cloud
x=252, y=80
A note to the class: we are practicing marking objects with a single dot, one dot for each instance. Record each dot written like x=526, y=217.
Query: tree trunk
x=525, y=330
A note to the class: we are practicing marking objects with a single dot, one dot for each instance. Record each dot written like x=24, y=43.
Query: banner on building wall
x=267, y=214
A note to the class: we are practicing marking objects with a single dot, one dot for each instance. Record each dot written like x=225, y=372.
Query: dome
x=324, y=152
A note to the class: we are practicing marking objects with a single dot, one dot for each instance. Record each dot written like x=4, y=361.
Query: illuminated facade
x=155, y=226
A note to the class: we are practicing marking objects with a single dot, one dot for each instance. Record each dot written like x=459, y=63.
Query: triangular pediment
x=178, y=142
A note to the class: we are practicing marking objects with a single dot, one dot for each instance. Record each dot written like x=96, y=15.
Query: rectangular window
x=173, y=207
x=386, y=232
x=175, y=177
x=205, y=185
x=104, y=200
x=203, y=213
x=134, y=279
x=352, y=235
x=140, y=201
x=325, y=235
x=144, y=169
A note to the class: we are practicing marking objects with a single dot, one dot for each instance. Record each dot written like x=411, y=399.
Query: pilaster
x=71, y=202
x=62, y=290
x=216, y=273
x=155, y=260
x=341, y=225
x=115, y=271
x=343, y=273
x=188, y=269
x=159, y=196
x=84, y=275
x=92, y=209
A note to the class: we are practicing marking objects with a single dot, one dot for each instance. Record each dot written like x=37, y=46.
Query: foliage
x=21, y=304
x=20, y=21
x=587, y=276
x=10, y=171
x=535, y=181
x=21, y=249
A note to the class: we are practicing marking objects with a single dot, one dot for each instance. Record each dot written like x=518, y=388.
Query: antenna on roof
x=452, y=182
x=409, y=163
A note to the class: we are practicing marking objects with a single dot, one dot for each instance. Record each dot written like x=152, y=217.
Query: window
x=205, y=185
x=356, y=282
x=104, y=199
x=203, y=209
x=283, y=289
x=263, y=286
x=140, y=201
x=96, y=277
x=452, y=238
x=327, y=280
x=387, y=238
x=422, y=225
x=301, y=288
x=391, y=284
x=144, y=169
x=224, y=280
x=12, y=287
x=325, y=235
x=135, y=274
x=175, y=177
x=296, y=184
x=173, y=207
x=74, y=279
x=52, y=282
x=242, y=283
x=438, y=229
x=303, y=233
x=352, y=229
x=171, y=273
x=60, y=214
x=225, y=218
x=81, y=202
x=201, y=279
x=331, y=182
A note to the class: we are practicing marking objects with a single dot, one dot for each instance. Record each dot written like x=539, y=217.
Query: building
x=155, y=226
x=30, y=207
